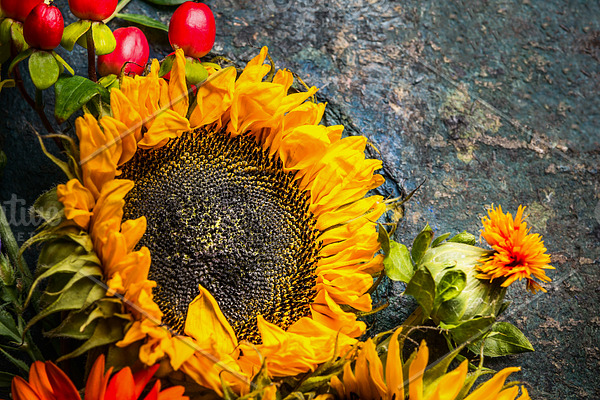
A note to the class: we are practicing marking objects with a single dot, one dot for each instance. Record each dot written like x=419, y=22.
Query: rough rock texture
x=488, y=102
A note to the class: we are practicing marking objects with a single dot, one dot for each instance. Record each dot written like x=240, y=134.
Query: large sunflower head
x=233, y=223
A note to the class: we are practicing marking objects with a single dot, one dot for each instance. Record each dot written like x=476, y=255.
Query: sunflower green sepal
x=72, y=272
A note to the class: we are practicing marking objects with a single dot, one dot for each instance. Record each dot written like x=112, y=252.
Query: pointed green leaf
x=43, y=69
x=20, y=57
x=63, y=62
x=452, y=283
x=421, y=244
x=143, y=20
x=18, y=363
x=48, y=207
x=471, y=330
x=72, y=93
x=8, y=327
x=6, y=379
x=465, y=238
x=104, y=40
x=440, y=239
x=195, y=73
x=83, y=293
x=422, y=288
x=384, y=238
x=109, y=81
x=73, y=32
x=504, y=339
x=106, y=332
x=166, y=65
x=397, y=263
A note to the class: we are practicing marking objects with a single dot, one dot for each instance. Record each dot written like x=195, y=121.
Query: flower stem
x=91, y=55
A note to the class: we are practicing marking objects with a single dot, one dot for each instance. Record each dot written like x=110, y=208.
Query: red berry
x=192, y=28
x=18, y=9
x=43, y=27
x=96, y=10
x=132, y=46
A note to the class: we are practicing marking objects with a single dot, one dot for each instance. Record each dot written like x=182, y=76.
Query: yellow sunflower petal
x=213, y=98
x=393, y=369
x=490, y=389
x=166, y=125
x=78, y=202
x=178, y=91
x=415, y=372
x=204, y=315
x=451, y=383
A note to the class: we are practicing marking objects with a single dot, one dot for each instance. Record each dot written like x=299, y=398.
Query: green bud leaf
x=422, y=288
x=106, y=332
x=464, y=237
x=143, y=20
x=43, y=69
x=439, y=240
x=195, y=73
x=73, y=32
x=72, y=93
x=20, y=57
x=104, y=40
x=166, y=65
x=421, y=244
x=18, y=40
x=109, y=81
x=5, y=36
x=504, y=339
x=397, y=263
x=63, y=62
x=452, y=283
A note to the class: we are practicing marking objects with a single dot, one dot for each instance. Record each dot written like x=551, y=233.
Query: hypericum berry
x=95, y=10
x=132, y=48
x=192, y=28
x=18, y=9
x=43, y=27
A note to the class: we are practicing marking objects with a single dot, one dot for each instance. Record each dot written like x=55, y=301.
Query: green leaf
x=8, y=327
x=104, y=40
x=422, y=288
x=439, y=240
x=397, y=263
x=106, y=332
x=20, y=57
x=504, y=339
x=83, y=293
x=6, y=379
x=195, y=73
x=421, y=244
x=73, y=32
x=166, y=65
x=43, y=69
x=167, y=2
x=18, y=40
x=70, y=327
x=72, y=93
x=5, y=36
x=452, y=283
x=63, y=62
x=109, y=81
x=465, y=238
x=143, y=20
x=384, y=238
x=471, y=330
x=18, y=363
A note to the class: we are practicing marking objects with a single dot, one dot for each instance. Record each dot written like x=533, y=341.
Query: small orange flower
x=48, y=382
x=518, y=254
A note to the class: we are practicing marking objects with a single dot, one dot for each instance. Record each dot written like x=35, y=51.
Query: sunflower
x=369, y=379
x=518, y=254
x=48, y=382
x=234, y=218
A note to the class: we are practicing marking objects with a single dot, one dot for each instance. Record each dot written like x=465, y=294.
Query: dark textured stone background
x=490, y=102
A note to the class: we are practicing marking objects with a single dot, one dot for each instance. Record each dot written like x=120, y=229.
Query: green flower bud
x=478, y=298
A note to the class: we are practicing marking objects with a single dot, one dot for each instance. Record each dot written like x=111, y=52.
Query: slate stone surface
x=487, y=102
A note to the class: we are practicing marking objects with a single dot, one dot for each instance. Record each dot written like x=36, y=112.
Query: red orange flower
x=518, y=254
x=48, y=382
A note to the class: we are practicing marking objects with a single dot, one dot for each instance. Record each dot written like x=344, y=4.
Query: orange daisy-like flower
x=518, y=254
x=48, y=382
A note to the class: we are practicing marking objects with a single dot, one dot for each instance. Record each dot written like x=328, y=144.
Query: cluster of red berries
x=192, y=28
